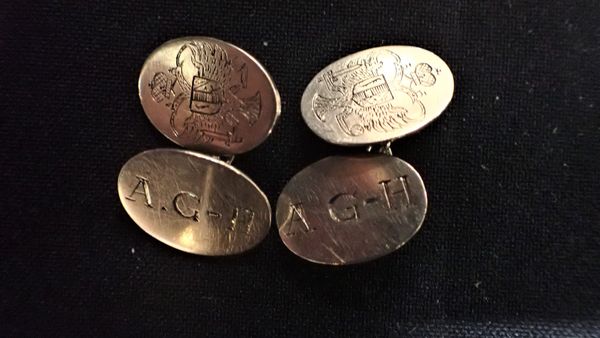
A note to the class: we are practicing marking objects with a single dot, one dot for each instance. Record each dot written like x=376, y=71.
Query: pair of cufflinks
x=217, y=101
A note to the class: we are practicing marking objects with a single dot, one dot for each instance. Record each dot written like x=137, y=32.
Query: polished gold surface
x=351, y=209
x=208, y=95
x=377, y=95
x=193, y=202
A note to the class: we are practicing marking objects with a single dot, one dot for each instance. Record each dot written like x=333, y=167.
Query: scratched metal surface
x=194, y=202
x=350, y=209
x=377, y=94
x=510, y=245
x=209, y=95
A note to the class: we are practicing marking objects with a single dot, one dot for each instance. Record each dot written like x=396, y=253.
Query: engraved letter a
x=142, y=188
x=295, y=216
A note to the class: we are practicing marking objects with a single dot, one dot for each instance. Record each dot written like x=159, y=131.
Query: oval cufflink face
x=208, y=95
x=351, y=209
x=194, y=202
x=377, y=95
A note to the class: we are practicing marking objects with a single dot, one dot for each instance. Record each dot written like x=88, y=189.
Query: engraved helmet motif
x=203, y=70
x=369, y=86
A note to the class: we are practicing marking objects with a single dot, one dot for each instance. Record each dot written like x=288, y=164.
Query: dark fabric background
x=511, y=242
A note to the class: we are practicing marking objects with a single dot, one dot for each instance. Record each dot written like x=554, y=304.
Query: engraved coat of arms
x=376, y=93
x=201, y=90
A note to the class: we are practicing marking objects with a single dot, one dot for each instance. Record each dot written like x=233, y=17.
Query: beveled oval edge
x=248, y=55
x=216, y=161
x=411, y=130
x=339, y=264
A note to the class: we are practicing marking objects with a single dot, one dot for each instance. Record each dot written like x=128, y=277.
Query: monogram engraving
x=377, y=93
x=181, y=207
x=142, y=184
x=340, y=210
x=389, y=192
x=214, y=214
x=241, y=220
x=297, y=221
x=201, y=93
x=344, y=207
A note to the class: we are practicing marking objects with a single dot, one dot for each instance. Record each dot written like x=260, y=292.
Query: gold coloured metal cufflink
x=216, y=100
x=350, y=209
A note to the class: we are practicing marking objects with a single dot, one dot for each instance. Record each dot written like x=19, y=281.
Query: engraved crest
x=375, y=93
x=200, y=91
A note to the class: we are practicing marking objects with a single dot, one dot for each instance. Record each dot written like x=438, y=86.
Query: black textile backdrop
x=511, y=242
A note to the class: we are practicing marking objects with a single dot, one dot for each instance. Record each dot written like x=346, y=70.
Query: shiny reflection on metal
x=350, y=209
x=208, y=95
x=193, y=202
x=377, y=95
